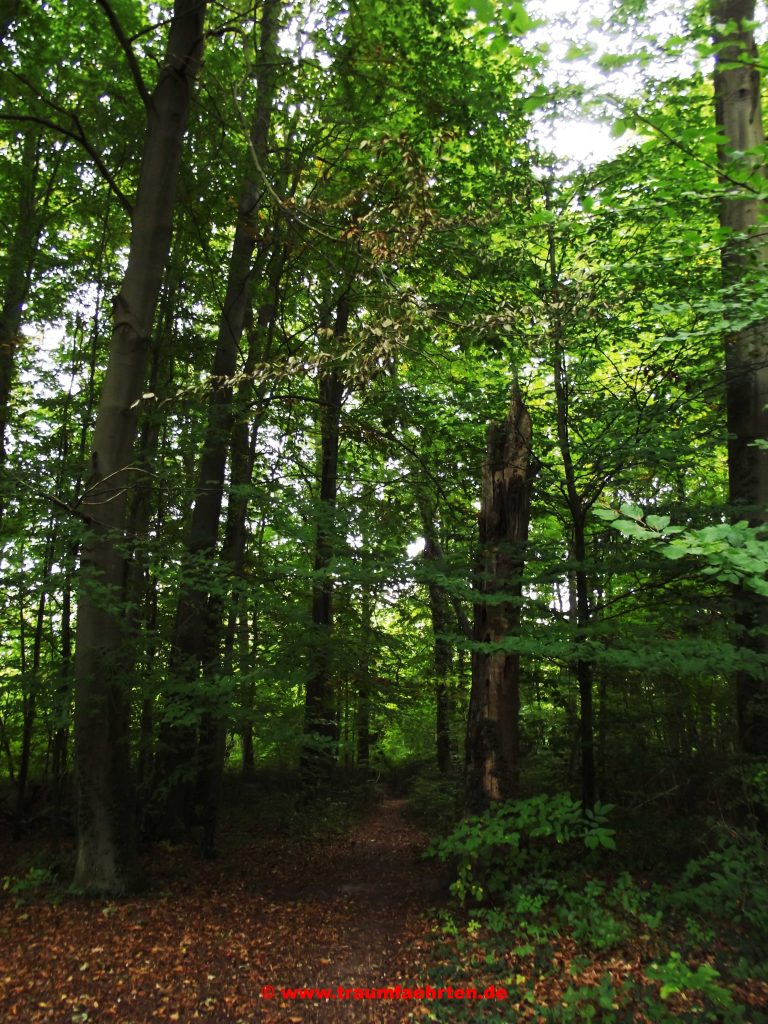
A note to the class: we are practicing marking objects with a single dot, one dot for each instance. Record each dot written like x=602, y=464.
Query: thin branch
x=54, y=500
x=674, y=141
x=127, y=49
x=148, y=29
x=79, y=137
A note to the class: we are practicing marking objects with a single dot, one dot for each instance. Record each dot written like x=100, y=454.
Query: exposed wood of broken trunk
x=493, y=749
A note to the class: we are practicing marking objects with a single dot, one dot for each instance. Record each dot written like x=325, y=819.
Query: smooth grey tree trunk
x=106, y=828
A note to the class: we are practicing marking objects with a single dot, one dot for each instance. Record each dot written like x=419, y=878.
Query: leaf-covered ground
x=208, y=936
x=356, y=910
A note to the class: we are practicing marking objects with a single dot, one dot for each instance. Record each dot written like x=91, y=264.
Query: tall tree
x=18, y=274
x=195, y=641
x=579, y=503
x=438, y=606
x=745, y=262
x=106, y=833
x=321, y=725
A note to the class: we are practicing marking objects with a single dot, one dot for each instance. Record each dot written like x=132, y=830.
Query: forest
x=383, y=503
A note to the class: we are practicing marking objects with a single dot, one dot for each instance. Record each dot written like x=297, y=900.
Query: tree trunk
x=365, y=673
x=29, y=693
x=247, y=655
x=492, y=754
x=141, y=588
x=584, y=674
x=29, y=709
x=744, y=261
x=438, y=606
x=62, y=700
x=196, y=633
x=578, y=507
x=106, y=828
x=22, y=249
x=6, y=745
x=242, y=457
x=320, y=725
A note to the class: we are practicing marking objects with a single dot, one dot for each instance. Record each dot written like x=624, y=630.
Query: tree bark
x=578, y=507
x=493, y=748
x=320, y=725
x=242, y=457
x=744, y=260
x=31, y=690
x=196, y=632
x=141, y=588
x=106, y=828
x=22, y=250
x=62, y=701
x=365, y=667
x=441, y=661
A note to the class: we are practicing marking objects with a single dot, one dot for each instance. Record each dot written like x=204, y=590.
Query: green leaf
x=631, y=511
x=675, y=551
x=631, y=529
x=541, y=217
x=485, y=10
x=539, y=98
x=657, y=522
x=577, y=52
x=518, y=20
x=669, y=990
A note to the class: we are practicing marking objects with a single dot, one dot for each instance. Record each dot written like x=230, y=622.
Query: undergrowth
x=544, y=906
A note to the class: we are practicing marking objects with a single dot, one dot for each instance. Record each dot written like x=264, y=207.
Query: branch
x=54, y=500
x=673, y=141
x=127, y=49
x=80, y=137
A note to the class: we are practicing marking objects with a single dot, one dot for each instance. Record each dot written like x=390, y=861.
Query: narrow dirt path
x=218, y=942
x=369, y=892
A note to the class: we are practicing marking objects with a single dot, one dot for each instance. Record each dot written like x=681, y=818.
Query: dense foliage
x=285, y=270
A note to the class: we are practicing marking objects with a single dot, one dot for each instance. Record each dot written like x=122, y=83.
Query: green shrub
x=677, y=978
x=37, y=881
x=592, y=924
x=730, y=884
x=587, y=1003
x=491, y=851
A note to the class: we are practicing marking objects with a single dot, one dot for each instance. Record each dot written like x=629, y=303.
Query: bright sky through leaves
x=576, y=36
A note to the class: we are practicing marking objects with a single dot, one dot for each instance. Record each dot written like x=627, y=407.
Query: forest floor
x=217, y=941
x=345, y=908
